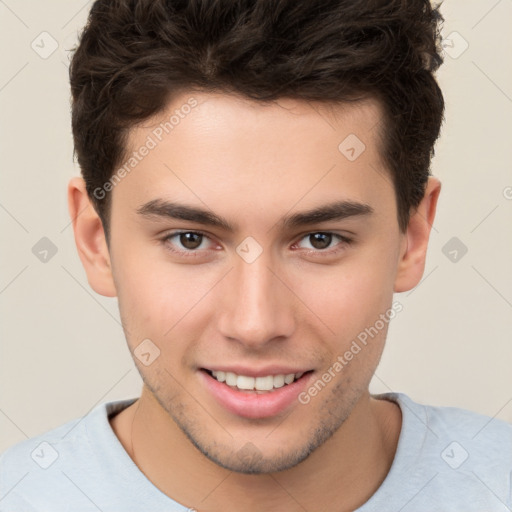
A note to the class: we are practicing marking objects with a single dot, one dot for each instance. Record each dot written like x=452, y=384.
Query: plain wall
x=62, y=346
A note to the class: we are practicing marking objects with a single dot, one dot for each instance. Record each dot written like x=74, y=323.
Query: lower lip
x=253, y=405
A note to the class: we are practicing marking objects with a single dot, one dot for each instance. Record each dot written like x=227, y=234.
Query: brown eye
x=187, y=243
x=190, y=240
x=324, y=244
x=320, y=240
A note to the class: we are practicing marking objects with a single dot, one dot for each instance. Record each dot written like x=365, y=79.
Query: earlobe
x=411, y=265
x=90, y=239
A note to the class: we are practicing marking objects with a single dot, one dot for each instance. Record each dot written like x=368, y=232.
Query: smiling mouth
x=259, y=385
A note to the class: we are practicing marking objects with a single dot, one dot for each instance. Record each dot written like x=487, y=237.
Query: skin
x=253, y=164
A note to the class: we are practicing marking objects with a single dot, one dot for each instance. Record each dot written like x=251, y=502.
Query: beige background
x=62, y=346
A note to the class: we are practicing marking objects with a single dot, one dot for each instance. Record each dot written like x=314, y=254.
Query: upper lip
x=257, y=372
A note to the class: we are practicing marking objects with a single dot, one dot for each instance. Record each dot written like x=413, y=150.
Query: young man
x=255, y=189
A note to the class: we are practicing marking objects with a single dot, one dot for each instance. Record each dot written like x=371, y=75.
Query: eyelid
x=344, y=241
x=178, y=232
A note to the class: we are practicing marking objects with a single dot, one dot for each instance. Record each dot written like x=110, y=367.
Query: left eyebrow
x=333, y=211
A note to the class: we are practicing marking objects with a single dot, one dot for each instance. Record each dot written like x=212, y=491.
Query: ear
x=90, y=239
x=415, y=243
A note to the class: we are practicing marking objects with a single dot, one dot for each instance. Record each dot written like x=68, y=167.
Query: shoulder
x=447, y=457
x=41, y=449
x=465, y=424
x=472, y=442
x=34, y=471
x=450, y=419
x=25, y=467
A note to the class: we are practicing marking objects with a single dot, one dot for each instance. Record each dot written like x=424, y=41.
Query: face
x=257, y=286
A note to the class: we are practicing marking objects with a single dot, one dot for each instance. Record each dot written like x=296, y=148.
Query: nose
x=256, y=305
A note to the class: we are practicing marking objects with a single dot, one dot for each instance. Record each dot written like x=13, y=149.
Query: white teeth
x=230, y=379
x=289, y=378
x=279, y=380
x=266, y=383
x=243, y=382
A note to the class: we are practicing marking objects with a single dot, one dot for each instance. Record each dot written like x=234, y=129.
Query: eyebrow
x=338, y=210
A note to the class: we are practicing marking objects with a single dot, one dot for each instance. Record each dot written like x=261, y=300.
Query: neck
x=347, y=469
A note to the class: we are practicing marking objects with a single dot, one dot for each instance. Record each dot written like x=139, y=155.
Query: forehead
x=222, y=150
x=227, y=113
x=234, y=115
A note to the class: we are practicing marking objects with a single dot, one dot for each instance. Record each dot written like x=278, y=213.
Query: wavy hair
x=134, y=55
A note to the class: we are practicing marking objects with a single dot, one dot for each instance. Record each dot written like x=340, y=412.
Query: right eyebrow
x=172, y=210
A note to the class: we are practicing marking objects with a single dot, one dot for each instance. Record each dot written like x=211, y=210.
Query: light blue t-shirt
x=447, y=460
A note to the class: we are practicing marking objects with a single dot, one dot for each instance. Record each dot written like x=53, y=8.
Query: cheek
x=143, y=296
x=160, y=301
x=349, y=297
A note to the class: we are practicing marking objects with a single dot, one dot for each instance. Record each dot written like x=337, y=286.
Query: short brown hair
x=134, y=55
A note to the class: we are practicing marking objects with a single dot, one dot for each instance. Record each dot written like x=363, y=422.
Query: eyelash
x=191, y=253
